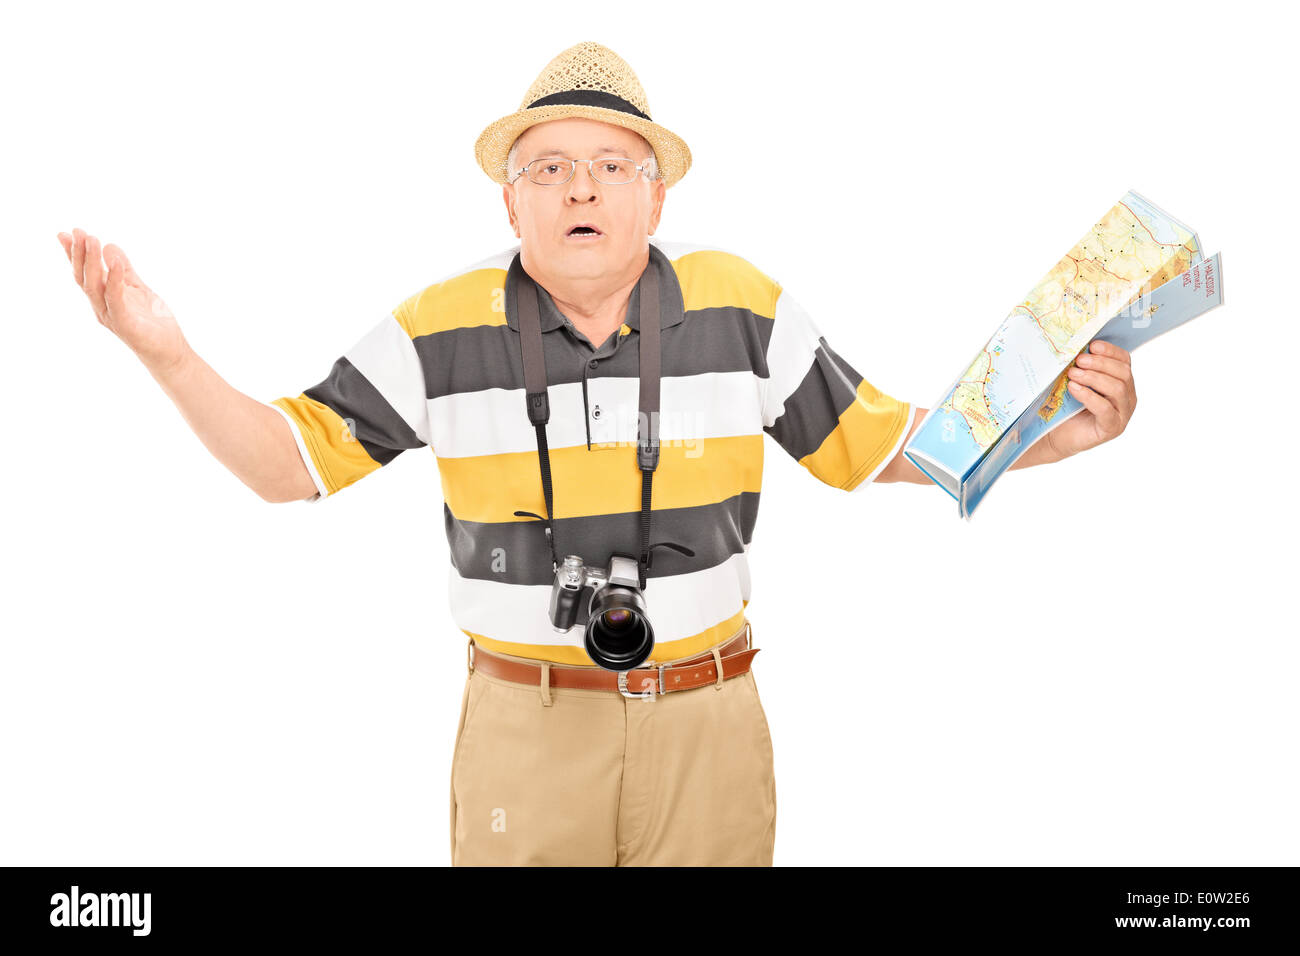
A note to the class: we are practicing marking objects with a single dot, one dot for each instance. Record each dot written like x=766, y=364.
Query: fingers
x=1110, y=366
x=79, y=257
x=1110, y=351
x=114, y=286
x=120, y=257
x=95, y=275
x=1102, y=410
x=94, y=268
x=1108, y=398
x=1114, y=388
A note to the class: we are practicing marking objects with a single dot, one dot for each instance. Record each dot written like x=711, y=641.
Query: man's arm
x=249, y=437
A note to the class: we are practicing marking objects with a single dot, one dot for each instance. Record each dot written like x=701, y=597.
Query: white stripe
x=674, y=250
x=494, y=421
x=679, y=606
x=498, y=260
x=321, y=491
x=791, y=351
x=907, y=428
x=386, y=356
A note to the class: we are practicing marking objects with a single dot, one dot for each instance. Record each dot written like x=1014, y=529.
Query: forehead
x=577, y=136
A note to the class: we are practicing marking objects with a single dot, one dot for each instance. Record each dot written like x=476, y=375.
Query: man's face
x=542, y=216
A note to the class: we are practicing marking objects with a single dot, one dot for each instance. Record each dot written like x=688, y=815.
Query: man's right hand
x=123, y=303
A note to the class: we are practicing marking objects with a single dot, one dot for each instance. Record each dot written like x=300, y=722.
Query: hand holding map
x=1101, y=379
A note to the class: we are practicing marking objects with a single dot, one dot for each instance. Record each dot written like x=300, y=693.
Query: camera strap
x=538, y=402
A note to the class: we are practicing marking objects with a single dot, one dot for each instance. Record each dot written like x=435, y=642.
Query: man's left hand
x=1103, y=383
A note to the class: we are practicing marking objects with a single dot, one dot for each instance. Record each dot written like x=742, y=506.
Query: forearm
x=900, y=468
x=247, y=436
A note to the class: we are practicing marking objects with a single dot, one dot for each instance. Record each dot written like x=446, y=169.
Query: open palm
x=122, y=302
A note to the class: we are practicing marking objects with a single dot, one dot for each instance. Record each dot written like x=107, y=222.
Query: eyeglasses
x=556, y=170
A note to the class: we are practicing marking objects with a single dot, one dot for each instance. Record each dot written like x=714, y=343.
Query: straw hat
x=591, y=81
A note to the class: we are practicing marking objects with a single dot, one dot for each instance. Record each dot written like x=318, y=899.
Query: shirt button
x=593, y=363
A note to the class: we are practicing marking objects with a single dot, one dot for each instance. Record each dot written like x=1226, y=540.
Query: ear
x=508, y=195
x=658, y=192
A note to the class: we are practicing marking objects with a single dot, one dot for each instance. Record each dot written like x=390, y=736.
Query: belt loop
x=717, y=662
x=546, y=683
x=469, y=656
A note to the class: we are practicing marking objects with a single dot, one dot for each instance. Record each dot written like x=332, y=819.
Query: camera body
x=618, y=635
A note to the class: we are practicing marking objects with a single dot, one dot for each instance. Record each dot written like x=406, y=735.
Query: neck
x=596, y=305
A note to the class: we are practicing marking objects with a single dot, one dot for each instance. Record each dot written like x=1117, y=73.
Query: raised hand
x=123, y=303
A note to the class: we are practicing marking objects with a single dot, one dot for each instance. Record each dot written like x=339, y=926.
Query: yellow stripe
x=708, y=278
x=577, y=656
x=711, y=278
x=867, y=429
x=340, y=459
x=493, y=487
x=471, y=299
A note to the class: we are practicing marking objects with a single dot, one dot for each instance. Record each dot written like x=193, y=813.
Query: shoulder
x=471, y=295
x=712, y=276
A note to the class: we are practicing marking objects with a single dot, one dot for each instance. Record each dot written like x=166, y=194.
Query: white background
x=1100, y=668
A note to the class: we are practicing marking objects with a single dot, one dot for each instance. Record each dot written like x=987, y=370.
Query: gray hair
x=651, y=171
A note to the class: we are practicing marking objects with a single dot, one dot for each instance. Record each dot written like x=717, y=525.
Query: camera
x=618, y=635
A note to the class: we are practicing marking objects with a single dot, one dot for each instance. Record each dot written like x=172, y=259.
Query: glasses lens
x=550, y=171
x=613, y=171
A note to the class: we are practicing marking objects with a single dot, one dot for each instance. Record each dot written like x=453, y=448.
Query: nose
x=582, y=187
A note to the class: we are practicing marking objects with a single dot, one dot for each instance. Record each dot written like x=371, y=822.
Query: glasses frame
x=573, y=169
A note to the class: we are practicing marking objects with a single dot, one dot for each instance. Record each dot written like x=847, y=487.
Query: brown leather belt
x=734, y=658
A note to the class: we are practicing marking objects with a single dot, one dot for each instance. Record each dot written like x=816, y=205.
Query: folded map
x=1137, y=273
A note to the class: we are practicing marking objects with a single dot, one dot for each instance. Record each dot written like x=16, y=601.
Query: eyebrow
x=603, y=150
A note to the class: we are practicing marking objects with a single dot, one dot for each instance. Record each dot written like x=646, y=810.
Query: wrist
x=170, y=368
x=1055, y=453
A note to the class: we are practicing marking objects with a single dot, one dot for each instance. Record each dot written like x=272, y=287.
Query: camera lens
x=618, y=635
x=619, y=617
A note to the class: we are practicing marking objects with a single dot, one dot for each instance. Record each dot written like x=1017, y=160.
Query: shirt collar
x=671, y=302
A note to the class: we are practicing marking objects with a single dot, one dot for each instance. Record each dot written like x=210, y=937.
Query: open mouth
x=583, y=229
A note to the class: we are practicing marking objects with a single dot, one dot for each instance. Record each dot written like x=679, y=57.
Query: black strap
x=647, y=452
x=538, y=403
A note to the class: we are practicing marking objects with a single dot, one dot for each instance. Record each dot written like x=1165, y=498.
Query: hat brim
x=493, y=144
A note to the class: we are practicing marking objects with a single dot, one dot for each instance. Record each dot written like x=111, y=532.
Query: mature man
x=560, y=760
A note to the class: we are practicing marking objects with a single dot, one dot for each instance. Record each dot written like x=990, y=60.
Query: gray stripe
x=382, y=432
x=721, y=339
x=813, y=409
x=515, y=552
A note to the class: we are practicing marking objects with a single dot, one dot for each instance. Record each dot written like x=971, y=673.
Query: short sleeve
x=821, y=410
x=370, y=408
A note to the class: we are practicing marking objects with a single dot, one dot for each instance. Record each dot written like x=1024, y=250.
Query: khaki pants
x=593, y=778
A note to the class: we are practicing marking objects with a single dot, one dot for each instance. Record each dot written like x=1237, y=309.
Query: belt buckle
x=642, y=695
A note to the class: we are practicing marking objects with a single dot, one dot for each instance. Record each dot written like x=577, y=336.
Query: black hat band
x=589, y=98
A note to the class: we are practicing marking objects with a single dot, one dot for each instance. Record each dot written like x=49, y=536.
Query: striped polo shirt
x=741, y=358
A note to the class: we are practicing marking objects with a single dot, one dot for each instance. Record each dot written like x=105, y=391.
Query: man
x=559, y=760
